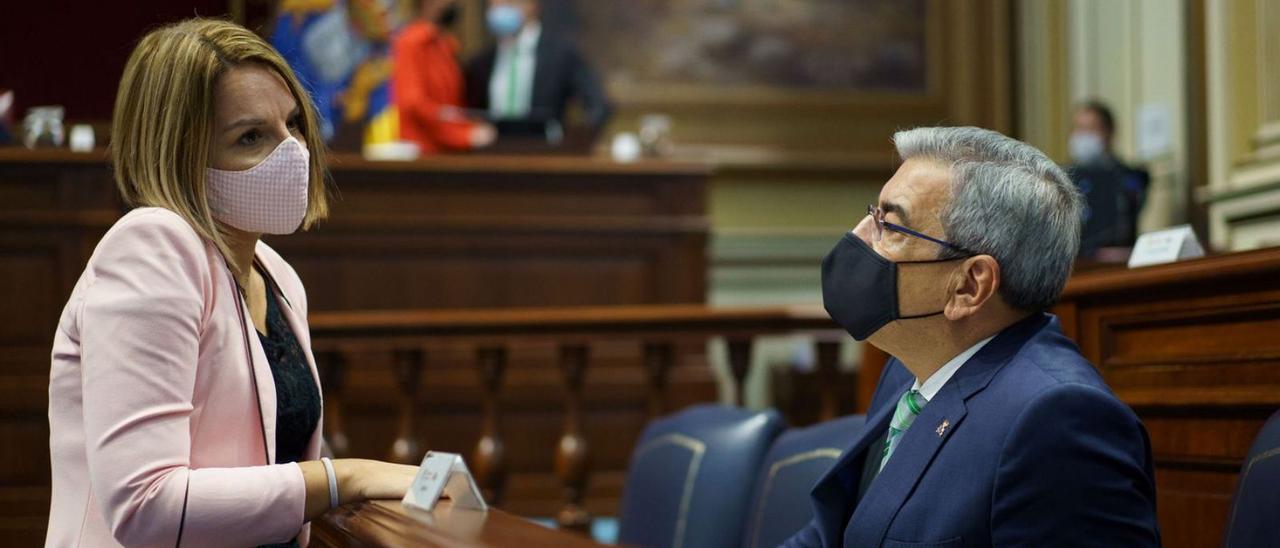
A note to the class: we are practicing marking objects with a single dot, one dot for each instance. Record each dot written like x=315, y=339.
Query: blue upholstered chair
x=794, y=463
x=690, y=478
x=1255, y=514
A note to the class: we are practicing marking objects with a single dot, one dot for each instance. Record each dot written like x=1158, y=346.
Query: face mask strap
x=933, y=261
x=918, y=316
x=931, y=314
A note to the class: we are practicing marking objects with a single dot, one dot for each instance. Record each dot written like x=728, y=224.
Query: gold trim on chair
x=824, y=452
x=697, y=448
x=1236, y=506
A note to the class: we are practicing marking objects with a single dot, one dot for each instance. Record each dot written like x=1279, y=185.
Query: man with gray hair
x=987, y=428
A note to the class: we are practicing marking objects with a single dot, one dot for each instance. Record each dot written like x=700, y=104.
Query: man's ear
x=974, y=284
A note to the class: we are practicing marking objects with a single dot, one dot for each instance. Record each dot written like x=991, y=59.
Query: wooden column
x=489, y=458
x=572, y=458
x=407, y=366
x=828, y=354
x=332, y=367
x=658, y=357
x=739, y=366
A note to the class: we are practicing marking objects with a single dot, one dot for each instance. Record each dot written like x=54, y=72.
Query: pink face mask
x=269, y=198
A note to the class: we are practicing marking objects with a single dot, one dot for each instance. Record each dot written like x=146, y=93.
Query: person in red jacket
x=427, y=84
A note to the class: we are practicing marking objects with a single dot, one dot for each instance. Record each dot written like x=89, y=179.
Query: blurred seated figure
x=526, y=80
x=427, y=84
x=1114, y=192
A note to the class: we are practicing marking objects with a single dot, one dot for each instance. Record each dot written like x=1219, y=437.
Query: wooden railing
x=413, y=348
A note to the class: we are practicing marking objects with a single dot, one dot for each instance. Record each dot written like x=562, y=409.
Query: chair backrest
x=795, y=462
x=1255, y=513
x=690, y=477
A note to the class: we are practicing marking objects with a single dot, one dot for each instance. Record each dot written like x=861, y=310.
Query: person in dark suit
x=529, y=74
x=1114, y=191
x=988, y=427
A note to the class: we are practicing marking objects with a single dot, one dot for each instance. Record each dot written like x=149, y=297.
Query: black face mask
x=860, y=287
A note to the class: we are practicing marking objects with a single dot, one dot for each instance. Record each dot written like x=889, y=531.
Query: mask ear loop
x=932, y=261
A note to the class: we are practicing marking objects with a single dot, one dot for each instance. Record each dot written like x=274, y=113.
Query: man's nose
x=865, y=229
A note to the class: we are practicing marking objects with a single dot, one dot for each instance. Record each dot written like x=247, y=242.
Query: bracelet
x=333, y=482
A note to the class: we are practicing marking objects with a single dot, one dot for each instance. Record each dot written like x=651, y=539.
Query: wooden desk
x=1194, y=348
x=386, y=523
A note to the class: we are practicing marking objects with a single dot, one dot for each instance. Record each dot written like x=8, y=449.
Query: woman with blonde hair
x=184, y=406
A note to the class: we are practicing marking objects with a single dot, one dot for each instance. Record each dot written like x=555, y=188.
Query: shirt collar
x=935, y=382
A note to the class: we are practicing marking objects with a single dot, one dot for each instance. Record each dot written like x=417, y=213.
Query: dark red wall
x=72, y=52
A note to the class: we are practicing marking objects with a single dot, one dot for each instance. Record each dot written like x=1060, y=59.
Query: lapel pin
x=942, y=428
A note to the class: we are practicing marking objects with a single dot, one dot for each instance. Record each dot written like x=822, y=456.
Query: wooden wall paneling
x=1191, y=347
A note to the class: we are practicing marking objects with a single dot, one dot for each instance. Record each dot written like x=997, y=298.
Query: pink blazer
x=162, y=428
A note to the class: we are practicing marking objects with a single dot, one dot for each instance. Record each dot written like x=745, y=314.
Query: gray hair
x=1008, y=200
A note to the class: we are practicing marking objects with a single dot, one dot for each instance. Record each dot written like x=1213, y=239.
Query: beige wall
x=1135, y=54
x=1243, y=62
x=796, y=170
x=1127, y=53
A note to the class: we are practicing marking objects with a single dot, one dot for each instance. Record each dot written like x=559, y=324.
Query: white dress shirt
x=505, y=102
x=930, y=387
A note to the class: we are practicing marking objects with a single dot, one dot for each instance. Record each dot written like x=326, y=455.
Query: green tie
x=909, y=407
x=513, y=74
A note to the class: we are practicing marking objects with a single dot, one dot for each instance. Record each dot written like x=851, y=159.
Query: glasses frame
x=881, y=225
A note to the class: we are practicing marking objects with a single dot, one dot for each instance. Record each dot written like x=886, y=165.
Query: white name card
x=1166, y=246
x=443, y=473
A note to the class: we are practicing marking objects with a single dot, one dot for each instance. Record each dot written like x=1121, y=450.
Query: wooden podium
x=1194, y=348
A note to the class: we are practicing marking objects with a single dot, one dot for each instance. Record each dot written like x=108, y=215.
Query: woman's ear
x=976, y=282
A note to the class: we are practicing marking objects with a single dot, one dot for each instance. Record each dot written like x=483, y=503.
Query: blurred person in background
x=532, y=75
x=1114, y=192
x=428, y=87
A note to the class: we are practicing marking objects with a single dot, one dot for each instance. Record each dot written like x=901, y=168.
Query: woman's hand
x=371, y=479
x=358, y=480
x=483, y=135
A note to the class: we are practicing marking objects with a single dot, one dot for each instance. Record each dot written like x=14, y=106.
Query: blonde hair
x=163, y=120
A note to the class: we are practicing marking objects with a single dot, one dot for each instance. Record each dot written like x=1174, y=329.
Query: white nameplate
x=443, y=473
x=1166, y=246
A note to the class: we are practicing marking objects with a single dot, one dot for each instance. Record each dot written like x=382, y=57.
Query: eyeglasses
x=880, y=225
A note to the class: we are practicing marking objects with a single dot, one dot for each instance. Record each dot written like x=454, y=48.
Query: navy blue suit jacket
x=1024, y=446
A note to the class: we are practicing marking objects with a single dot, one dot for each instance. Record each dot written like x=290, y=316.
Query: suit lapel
x=838, y=488
x=936, y=424
x=898, y=478
x=540, y=97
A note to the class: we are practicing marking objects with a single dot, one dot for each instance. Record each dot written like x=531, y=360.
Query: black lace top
x=297, y=396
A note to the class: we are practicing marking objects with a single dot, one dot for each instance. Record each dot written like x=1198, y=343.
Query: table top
x=387, y=523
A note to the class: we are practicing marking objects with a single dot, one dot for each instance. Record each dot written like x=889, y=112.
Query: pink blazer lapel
x=264, y=385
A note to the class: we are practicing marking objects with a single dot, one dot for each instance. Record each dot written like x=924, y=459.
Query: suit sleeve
x=806, y=537
x=141, y=322
x=1075, y=470
x=585, y=85
x=411, y=87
